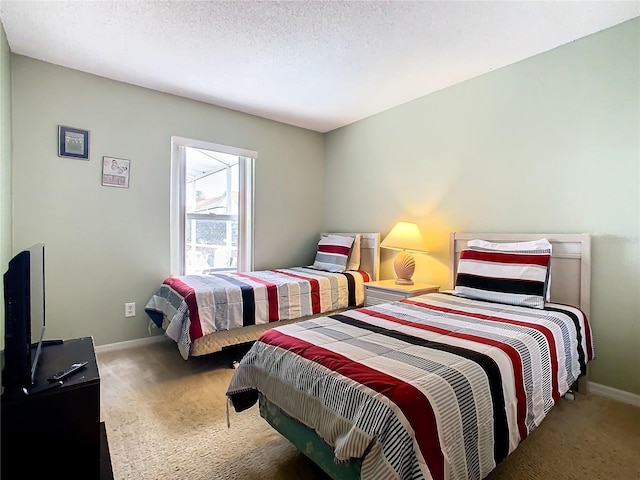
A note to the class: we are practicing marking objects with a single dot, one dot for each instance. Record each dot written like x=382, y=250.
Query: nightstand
x=387, y=291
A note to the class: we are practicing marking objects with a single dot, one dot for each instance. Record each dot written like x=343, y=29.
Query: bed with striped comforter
x=193, y=306
x=435, y=386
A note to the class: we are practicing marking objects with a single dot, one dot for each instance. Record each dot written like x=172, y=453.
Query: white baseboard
x=614, y=394
x=132, y=343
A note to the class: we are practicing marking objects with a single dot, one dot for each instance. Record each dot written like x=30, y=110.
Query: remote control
x=67, y=371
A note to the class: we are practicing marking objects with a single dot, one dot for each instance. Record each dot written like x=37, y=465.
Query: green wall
x=5, y=164
x=107, y=246
x=549, y=144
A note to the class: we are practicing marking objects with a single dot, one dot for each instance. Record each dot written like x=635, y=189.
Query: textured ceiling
x=315, y=64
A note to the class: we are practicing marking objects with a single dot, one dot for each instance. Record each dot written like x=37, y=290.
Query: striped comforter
x=435, y=386
x=193, y=306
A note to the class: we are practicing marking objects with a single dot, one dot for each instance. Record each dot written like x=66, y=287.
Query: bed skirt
x=308, y=442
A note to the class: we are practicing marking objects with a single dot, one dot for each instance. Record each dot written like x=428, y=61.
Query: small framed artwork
x=73, y=142
x=115, y=172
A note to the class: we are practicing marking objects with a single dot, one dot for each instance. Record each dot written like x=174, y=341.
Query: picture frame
x=73, y=142
x=115, y=172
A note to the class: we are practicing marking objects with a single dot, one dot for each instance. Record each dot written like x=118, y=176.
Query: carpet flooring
x=166, y=419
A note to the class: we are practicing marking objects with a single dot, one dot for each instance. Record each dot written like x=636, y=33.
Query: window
x=211, y=207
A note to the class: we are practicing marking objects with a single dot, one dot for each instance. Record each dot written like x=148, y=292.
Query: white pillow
x=353, y=262
x=542, y=244
x=530, y=246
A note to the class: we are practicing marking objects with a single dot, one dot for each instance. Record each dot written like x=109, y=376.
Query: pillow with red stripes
x=514, y=278
x=540, y=244
x=333, y=252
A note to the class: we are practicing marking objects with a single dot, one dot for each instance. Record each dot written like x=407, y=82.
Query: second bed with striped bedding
x=192, y=306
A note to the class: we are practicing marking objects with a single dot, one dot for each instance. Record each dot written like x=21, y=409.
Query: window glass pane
x=212, y=182
x=210, y=252
x=211, y=230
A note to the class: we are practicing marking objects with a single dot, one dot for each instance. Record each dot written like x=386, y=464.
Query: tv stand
x=56, y=427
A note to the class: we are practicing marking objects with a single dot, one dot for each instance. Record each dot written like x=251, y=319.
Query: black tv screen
x=25, y=318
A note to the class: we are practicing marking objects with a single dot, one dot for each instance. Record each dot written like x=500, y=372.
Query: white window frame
x=178, y=201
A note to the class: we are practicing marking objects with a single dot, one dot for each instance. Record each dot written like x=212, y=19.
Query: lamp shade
x=405, y=236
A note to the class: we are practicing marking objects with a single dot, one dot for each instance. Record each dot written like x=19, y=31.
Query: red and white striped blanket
x=435, y=386
x=193, y=306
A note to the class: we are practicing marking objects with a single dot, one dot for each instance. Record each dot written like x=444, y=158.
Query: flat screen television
x=25, y=319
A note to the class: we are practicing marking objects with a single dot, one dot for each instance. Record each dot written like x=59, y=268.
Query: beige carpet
x=166, y=419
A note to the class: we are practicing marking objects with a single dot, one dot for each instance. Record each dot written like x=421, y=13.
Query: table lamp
x=404, y=236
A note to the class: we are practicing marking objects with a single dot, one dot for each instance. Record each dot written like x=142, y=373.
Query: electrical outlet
x=130, y=309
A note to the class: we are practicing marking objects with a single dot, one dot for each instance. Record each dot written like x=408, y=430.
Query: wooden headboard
x=570, y=262
x=369, y=252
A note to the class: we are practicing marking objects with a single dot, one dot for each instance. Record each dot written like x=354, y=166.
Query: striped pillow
x=333, y=252
x=514, y=278
x=541, y=244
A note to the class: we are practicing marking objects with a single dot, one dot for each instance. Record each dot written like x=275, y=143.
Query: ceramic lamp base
x=404, y=264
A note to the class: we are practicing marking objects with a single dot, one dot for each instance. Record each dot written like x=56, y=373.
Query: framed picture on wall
x=73, y=142
x=115, y=172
